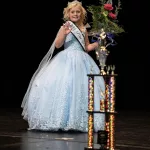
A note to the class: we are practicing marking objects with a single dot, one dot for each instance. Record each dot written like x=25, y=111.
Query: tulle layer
x=59, y=94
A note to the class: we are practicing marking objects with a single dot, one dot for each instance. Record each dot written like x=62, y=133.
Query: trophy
x=102, y=52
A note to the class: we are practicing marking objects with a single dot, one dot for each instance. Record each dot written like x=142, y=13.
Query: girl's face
x=75, y=14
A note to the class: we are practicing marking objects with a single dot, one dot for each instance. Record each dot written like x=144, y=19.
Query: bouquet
x=104, y=27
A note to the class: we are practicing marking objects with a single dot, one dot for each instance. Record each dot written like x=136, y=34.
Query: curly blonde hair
x=74, y=4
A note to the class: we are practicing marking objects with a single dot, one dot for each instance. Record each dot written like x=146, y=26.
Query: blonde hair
x=70, y=6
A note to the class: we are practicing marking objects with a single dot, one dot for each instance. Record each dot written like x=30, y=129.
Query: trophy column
x=91, y=115
x=110, y=111
x=105, y=138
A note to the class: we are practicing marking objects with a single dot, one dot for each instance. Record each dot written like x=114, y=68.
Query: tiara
x=74, y=1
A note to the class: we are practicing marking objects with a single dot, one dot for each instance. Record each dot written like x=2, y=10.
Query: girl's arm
x=88, y=46
x=61, y=36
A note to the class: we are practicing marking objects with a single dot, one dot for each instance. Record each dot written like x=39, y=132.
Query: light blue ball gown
x=59, y=97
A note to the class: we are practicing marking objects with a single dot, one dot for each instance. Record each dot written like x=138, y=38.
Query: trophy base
x=91, y=148
x=102, y=72
x=86, y=148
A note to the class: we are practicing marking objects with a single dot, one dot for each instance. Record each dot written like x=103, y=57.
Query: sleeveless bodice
x=71, y=43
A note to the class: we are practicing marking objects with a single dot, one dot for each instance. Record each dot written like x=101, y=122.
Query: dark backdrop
x=29, y=30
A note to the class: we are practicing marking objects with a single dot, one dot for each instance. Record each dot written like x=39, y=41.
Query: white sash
x=77, y=33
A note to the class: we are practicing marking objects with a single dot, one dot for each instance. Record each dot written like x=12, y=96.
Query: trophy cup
x=102, y=52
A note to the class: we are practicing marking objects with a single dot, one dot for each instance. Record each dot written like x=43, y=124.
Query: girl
x=57, y=96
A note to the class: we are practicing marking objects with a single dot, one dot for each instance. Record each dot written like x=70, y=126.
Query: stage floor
x=132, y=133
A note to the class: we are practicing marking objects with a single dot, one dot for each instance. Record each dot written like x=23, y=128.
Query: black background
x=30, y=28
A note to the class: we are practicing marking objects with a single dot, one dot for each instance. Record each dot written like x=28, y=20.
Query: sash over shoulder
x=77, y=33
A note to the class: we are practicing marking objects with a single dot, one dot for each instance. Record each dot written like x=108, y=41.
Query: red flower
x=108, y=6
x=111, y=15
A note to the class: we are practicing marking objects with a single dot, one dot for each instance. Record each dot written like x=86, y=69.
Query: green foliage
x=101, y=18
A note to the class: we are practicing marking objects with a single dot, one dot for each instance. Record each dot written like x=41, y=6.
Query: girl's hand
x=66, y=28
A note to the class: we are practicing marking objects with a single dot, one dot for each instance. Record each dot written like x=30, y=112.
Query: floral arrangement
x=104, y=16
x=104, y=27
